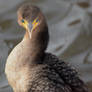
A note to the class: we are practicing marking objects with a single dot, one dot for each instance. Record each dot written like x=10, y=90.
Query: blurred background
x=70, y=29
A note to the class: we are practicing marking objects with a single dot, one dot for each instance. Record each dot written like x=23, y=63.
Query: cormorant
x=29, y=68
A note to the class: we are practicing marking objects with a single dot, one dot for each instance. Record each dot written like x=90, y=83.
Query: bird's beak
x=33, y=25
x=30, y=26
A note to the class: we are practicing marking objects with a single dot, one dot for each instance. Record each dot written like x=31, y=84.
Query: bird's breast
x=17, y=62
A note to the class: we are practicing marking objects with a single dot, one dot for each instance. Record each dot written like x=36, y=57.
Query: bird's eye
x=22, y=21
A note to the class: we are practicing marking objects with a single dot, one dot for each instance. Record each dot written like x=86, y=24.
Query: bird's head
x=32, y=19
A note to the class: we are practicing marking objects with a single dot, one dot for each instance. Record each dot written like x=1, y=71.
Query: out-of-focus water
x=70, y=28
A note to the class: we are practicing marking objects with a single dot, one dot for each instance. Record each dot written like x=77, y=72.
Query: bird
x=29, y=68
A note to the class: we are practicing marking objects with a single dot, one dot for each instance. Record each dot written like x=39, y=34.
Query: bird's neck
x=37, y=44
x=26, y=36
x=32, y=43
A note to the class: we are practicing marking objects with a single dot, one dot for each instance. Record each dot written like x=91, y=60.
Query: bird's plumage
x=30, y=69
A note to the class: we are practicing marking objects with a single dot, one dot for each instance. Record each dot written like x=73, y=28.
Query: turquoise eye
x=22, y=21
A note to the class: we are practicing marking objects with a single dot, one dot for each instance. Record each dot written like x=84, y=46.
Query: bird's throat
x=27, y=34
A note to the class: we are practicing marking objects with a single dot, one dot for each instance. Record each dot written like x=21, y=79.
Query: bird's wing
x=47, y=80
x=67, y=73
